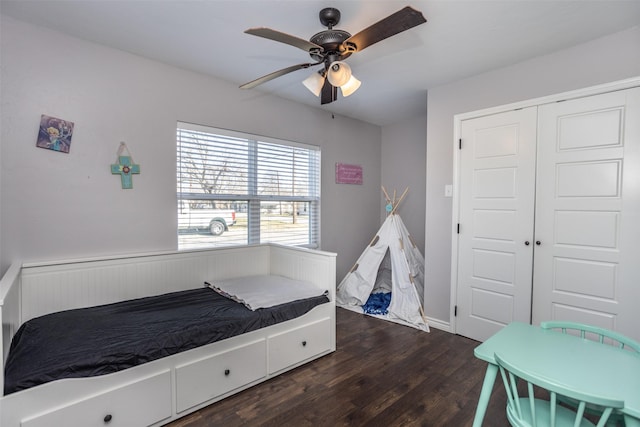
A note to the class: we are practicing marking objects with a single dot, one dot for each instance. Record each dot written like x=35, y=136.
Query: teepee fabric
x=391, y=263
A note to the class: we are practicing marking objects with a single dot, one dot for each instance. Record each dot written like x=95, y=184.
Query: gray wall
x=403, y=165
x=610, y=58
x=58, y=205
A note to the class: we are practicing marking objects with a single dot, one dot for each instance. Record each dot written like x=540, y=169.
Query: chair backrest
x=604, y=336
x=528, y=410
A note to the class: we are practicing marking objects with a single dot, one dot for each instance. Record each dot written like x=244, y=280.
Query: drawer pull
x=227, y=372
x=107, y=418
x=304, y=343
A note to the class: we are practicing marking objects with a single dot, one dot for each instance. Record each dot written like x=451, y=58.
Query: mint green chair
x=604, y=336
x=529, y=411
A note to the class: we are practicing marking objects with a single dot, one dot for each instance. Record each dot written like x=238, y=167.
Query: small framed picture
x=55, y=134
x=348, y=174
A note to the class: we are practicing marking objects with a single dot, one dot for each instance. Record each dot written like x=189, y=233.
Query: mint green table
x=569, y=360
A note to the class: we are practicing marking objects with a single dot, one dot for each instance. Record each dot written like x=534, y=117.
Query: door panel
x=590, y=129
x=497, y=176
x=579, y=276
x=589, y=179
x=587, y=266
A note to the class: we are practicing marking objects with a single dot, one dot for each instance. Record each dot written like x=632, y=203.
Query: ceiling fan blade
x=278, y=36
x=393, y=24
x=276, y=74
x=329, y=93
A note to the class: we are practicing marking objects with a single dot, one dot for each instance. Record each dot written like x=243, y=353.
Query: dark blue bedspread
x=108, y=338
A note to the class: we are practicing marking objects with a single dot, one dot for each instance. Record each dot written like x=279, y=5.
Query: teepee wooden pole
x=386, y=195
x=422, y=314
x=395, y=205
x=404, y=193
x=424, y=318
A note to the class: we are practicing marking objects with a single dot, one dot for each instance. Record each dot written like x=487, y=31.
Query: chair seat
x=564, y=416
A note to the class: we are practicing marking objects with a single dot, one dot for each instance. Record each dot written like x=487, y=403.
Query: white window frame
x=252, y=197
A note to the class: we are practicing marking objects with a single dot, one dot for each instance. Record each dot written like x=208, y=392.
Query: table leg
x=485, y=393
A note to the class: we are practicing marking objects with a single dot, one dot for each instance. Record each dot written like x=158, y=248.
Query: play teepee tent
x=389, y=271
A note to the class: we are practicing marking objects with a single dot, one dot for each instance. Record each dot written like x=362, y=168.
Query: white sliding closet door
x=587, y=252
x=495, y=240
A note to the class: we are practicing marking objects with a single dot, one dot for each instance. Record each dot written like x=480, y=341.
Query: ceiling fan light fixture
x=332, y=46
x=339, y=73
x=351, y=86
x=314, y=83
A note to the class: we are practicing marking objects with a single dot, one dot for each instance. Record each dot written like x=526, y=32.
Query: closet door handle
x=526, y=243
x=538, y=242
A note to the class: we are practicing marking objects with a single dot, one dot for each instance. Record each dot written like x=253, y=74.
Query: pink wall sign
x=348, y=174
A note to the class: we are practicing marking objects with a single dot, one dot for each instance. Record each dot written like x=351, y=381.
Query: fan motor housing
x=332, y=42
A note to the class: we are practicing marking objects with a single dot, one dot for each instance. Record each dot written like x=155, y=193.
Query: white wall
x=403, y=165
x=58, y=205
x=610, y=58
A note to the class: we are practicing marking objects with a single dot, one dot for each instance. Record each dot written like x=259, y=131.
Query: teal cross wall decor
x=125, y=168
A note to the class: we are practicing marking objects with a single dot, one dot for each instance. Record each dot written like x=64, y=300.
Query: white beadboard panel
x=584, y=277
x=493, y=265
x=594, y=129
x=589, y=179
x=494, y=224
x=496, y=142
x=583, y=228
x=494, y=183
x=492, y=306
x=56, y=286
x=316, y=267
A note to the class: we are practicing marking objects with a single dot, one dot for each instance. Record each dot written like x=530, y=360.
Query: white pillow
x=265, y=290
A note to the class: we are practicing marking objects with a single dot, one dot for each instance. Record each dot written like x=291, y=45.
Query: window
x=238, y=189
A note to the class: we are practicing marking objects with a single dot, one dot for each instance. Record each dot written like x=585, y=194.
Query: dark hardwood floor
x=382, y=374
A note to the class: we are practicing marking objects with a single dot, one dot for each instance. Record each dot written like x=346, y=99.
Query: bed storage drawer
x=297, y=345
x=141, y=403
x=207, y=378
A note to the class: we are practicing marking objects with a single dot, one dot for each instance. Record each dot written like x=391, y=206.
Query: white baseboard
x=439, y=324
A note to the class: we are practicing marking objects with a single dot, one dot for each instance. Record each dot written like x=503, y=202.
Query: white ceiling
x=460, y=39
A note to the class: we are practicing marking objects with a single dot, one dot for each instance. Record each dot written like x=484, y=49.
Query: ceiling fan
x=331, y=46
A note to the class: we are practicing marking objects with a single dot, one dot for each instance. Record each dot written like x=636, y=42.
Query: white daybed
x=165, y=389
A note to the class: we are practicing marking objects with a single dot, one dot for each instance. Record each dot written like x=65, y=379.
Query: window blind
x=272, y=186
